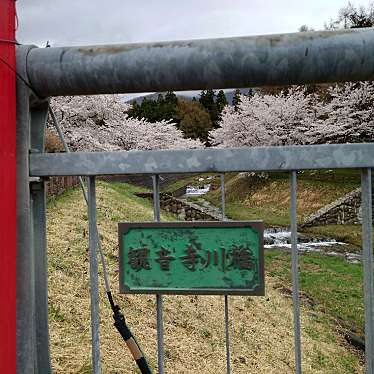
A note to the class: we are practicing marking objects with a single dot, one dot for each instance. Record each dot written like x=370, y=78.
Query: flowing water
x=280, y=238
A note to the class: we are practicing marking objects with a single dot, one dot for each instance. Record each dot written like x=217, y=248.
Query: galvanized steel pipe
x=313, y=57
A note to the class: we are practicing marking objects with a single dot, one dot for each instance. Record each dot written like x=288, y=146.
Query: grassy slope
x=334, y=284
x=261, y=327
x=179, y=183
x=270, y=199
x=340, y=293
x=344, y=233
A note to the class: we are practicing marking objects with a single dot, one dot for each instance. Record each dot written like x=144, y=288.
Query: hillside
x=261, y=327
x=269, y=199
x=154, y=96
x=183, y=95
x=331, y=284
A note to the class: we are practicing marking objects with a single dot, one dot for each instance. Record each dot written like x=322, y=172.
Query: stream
x=280, y=237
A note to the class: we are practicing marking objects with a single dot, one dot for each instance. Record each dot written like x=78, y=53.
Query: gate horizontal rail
x=283, y=158
x=251, y=61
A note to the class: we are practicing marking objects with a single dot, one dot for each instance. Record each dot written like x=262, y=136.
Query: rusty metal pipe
x=312, y=57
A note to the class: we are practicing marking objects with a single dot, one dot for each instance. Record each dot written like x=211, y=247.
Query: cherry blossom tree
x=296, y=117
x=268, y=120
x=351, y=16
x=101, y=123
x=349, y=115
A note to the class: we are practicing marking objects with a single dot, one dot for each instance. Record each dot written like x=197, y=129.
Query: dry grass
x=261, y=327
x=311, y=196
x=253, y=197
x=52, y=142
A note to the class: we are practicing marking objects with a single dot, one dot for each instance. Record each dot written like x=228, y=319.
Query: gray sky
x=85, y=22
x=82, y=22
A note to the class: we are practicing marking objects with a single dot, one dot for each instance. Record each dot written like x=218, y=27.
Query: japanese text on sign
x=203, y=258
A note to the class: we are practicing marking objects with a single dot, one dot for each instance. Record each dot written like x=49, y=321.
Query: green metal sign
x=192, y=258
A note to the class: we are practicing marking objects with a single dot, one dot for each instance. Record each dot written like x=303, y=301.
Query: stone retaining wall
x=185, y=211
x=343, y=211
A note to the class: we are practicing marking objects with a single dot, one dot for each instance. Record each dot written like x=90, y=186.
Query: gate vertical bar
x=227, y=332
x=25, y=321
x=295, y=272
x=39, y=114
x=94, y=284
x=223, y=201
x=160, y=319
x=41, y=276
x=367, y=249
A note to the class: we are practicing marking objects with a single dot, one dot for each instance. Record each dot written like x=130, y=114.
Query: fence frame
x=341, y=56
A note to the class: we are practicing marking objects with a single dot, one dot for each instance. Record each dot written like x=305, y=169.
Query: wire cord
x=119, y=318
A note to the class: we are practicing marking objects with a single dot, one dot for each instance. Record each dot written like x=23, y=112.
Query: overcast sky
x=81, y=22
x=85, y=22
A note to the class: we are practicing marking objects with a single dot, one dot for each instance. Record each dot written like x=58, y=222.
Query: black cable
x=110, y=298
x=15, y=71
x=127, y=336
x=119, y=318
x=21, y=78
x=10, y=41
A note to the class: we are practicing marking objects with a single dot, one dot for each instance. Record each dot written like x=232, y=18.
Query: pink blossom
x=100, y=123
x=296, y=117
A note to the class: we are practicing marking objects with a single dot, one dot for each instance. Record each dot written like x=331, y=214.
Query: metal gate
x=222, y=63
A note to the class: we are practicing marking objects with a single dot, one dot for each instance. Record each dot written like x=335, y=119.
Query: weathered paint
x=7, y=188
x=315, y=57
x=192, y=258
x=283, y=158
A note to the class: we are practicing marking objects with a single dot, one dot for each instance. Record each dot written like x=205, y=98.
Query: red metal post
x=7, y=188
